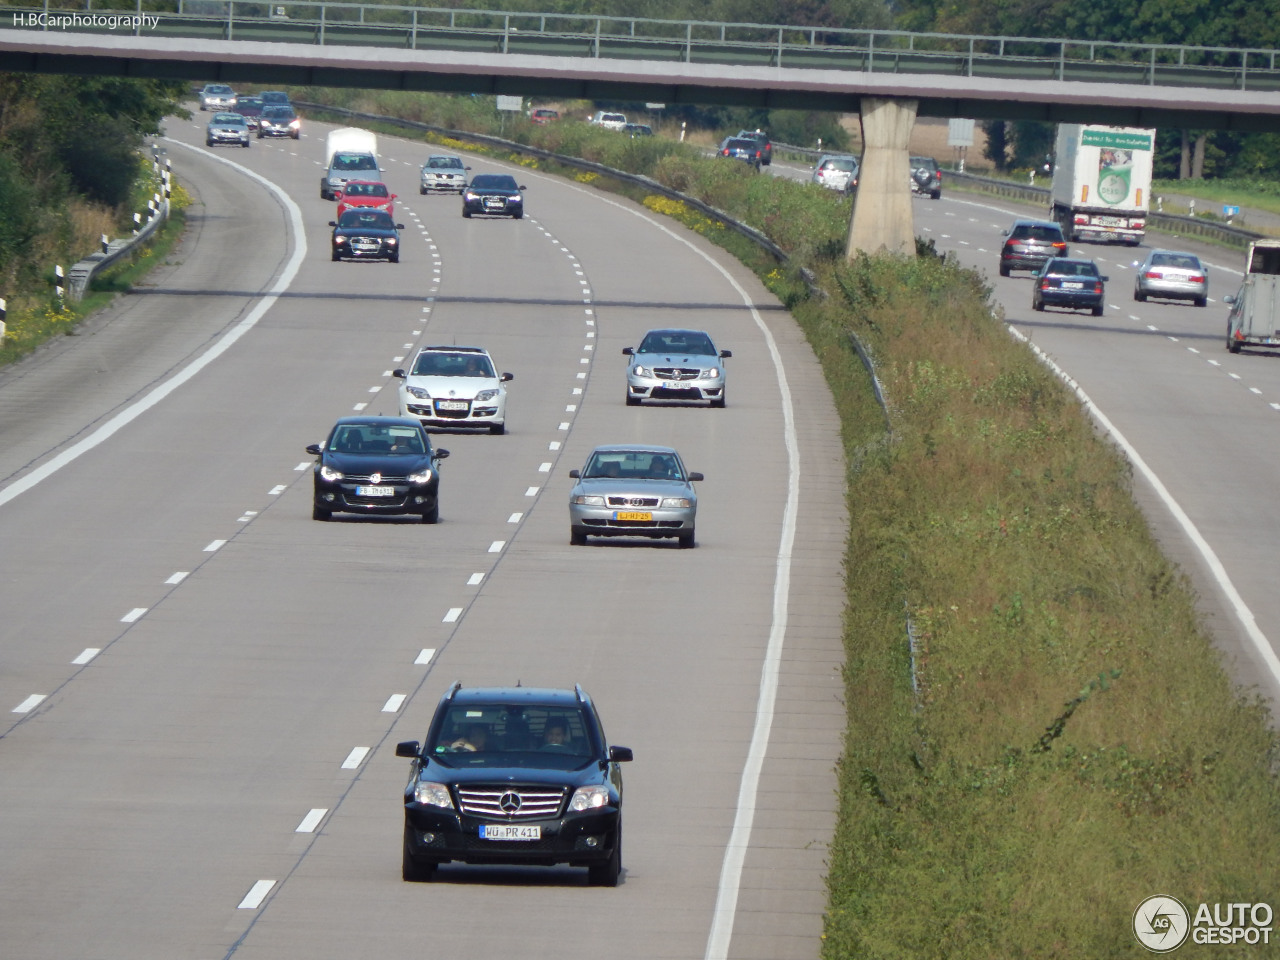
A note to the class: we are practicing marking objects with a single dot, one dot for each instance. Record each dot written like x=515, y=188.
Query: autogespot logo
x=1161, y=923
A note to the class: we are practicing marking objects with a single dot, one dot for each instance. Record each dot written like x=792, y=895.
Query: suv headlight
x=418, y=392
x=588, y=501
x=328, y=473
x=677, y=502
x=589, y=798
x=486, y=395
x=423, y=476
x=433, y=794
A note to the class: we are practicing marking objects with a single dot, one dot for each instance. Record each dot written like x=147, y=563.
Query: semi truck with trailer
x=1101, y=187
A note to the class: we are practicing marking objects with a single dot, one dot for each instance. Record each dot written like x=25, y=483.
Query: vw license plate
x=375, y=491
x=510, y=831
x=1072, y=286
x=632, y=515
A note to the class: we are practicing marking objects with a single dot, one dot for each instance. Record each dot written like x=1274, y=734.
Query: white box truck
x=1254, y=320
x=1102, y=182
x=350, y=154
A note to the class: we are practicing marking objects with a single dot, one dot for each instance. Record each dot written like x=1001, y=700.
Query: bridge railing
x=687, y=41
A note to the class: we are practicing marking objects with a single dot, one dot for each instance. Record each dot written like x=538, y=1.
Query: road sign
x=1228, y=211
x=514, y=104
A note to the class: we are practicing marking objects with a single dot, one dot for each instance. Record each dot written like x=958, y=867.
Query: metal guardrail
x=82, y=274
x=689, y=41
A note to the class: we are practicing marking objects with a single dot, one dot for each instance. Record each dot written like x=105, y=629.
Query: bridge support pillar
x=882, y=217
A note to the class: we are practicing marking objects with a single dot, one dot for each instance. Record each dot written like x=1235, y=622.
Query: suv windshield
x=491, y=733
x=1035, y=231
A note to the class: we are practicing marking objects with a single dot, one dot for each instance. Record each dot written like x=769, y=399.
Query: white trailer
x=1254, y=320
x=1102, y=182
x=350, y=154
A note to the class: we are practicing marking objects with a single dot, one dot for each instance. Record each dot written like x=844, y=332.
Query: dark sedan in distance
x=366, y=235
x=279, y=120
x=749, y=152
x=497, y=194
x=1075, y=284
x=377, y=465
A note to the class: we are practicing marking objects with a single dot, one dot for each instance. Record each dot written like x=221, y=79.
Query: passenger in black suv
x=502, y=797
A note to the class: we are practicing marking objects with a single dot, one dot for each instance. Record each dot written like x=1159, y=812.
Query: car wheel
x=518, y=215
x=936, y=195
x=497, y=429
x=414, y=869
x=606, y=874
x=1037, y=305
x=632, y=401
x=1233, y=346
x=466, y=214
x=394, y=257
x=1004, y=271
x=1139, y=296
x=432, y=515
x=718, y=401
x=1202, y=301
x=577, y=538
x=1097, y=311
x=686, y=540
x=320, y=513
x=296, y=135
x=336, y=256
x=259, y=134
x=422, y=191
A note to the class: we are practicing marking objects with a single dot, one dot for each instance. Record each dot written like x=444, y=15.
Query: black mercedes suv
x=514, y=775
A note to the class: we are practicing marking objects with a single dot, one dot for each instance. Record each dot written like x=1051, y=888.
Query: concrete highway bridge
x=888, y=77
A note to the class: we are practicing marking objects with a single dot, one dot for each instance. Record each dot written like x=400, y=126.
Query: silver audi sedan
x=676, y=365
x=633, y=490
x=1172, y=275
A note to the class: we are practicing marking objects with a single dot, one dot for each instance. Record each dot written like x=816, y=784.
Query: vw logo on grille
x=375, y=478
x=510, y=803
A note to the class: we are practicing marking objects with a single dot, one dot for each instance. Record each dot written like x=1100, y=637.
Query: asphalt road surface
x=202, y=687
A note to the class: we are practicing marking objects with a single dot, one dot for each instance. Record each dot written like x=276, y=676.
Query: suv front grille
x=506, y=802
x=632, y=501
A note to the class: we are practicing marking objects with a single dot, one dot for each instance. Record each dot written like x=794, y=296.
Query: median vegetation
x=1040, y=735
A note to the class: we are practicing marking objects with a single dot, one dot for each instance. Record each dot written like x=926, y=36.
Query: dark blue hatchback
x=1075, y=284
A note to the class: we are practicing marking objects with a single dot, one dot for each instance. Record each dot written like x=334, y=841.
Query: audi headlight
x=328, y=473
x=677, y=502
x=515, y=196
x=423, y=476
x=433, y=794
x=296, y=124
x=418, y=392
x=586, y=500
x=469, y=196
x=391, y=240
x=486, y=395
x=589, y=798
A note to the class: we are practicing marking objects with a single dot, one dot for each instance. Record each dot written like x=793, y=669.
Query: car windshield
x=354, y=161
x=498, y=734
x=234, y=119
x=218, y=90
x=367, y=219
x=1071, y=268
x=494, y=181
x=453, y=365
x=275, y=112
x=1181, y=261
x=275, y=96
x=633, y=465
x=839, y=164
x=1035, y=231
x=247, y=109
x=366, y=190
x=677, y=341
x=444, y=163
x=377, y=440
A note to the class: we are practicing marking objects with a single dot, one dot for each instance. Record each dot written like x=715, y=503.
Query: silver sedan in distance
x=632, y=490
x=676, y=365
x=1172, y=275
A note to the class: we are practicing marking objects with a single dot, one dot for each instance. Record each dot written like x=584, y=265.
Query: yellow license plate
x=632, y=515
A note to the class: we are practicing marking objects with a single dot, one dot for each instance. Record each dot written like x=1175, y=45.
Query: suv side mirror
x=313, y=449
x=575, y=473
x=616, y=754
x=628, y=352
x=726, y=354
x=507, y=377
x=440, y=453
x=408, y=748
x=694, y=477
x=399, y=373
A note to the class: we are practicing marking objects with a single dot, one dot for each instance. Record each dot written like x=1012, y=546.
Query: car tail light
x=1060, y=246
x=1196, y=279
x=1138, y=224
x=1154, y=275
x=757, y=154
x=1080, y=218
x=1045, y=285
x=1097, y=286
x=725, y=151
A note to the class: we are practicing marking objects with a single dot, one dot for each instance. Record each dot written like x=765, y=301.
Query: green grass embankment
x=1062, y=742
